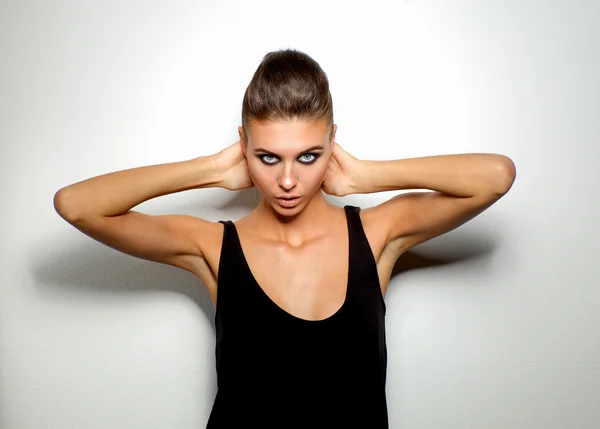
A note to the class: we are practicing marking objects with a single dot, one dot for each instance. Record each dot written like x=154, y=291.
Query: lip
x=289, y=203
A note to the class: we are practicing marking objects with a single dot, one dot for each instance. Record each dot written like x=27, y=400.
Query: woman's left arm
x=464, y=185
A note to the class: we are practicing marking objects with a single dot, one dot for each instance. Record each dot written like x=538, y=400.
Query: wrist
x=360, y=182
x=209, y=171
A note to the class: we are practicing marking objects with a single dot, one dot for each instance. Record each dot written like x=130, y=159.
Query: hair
x=287, y=85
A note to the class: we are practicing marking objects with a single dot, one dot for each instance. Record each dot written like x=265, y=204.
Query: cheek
x=320, y=171
x=312, y=178
x=260, y=176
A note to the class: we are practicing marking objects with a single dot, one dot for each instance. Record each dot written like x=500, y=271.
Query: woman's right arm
x=100, y=207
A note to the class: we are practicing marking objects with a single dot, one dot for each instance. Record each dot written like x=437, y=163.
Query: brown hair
x=287, y=85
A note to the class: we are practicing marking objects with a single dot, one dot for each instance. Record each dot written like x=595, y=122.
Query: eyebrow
x=304, y=151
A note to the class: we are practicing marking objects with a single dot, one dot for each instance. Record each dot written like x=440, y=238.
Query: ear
x=242, y=141
x=332, y=139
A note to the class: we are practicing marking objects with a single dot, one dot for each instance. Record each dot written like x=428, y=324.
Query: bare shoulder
x=385, y=251
x=208, y=237
x=376, y=231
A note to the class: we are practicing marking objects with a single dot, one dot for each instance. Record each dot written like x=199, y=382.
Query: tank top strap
x=229, y=262
x=234, y=273
x=364, y=277
x=228, y=240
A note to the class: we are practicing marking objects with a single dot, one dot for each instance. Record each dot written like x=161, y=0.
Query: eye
x=263, y=158
x=309, y=161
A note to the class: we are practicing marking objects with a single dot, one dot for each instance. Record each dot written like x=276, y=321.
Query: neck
x=314, y=220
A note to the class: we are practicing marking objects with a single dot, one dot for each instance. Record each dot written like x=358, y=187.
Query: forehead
x=292, y=135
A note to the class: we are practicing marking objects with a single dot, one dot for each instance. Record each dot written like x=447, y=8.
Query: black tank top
x=276, y=370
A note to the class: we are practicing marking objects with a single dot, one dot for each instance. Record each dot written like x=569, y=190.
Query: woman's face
x=288, y=160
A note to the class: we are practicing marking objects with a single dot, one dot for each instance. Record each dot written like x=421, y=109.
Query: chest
x=309, y=282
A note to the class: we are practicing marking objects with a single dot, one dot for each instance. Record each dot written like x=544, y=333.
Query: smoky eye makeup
x=269, y=159
x=264, y=159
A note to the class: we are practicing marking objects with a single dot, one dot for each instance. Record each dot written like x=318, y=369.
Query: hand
x=341, y=170
x=234, y=167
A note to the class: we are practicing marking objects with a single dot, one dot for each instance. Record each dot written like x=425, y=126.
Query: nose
x=288, y=179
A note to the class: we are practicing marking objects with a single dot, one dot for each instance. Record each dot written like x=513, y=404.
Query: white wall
x=498, y=329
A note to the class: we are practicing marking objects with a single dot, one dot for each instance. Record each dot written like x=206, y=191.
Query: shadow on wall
x=454, y=247
x=93, y=268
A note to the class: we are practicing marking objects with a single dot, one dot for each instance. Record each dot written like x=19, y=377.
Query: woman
x=299, y=304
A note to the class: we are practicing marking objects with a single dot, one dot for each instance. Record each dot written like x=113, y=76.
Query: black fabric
x=275, y=370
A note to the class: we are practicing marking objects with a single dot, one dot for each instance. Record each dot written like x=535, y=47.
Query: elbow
x=506, y=174
x=63, y=207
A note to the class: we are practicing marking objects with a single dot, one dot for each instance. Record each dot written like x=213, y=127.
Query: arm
x=101, y=206
x=464, y=185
